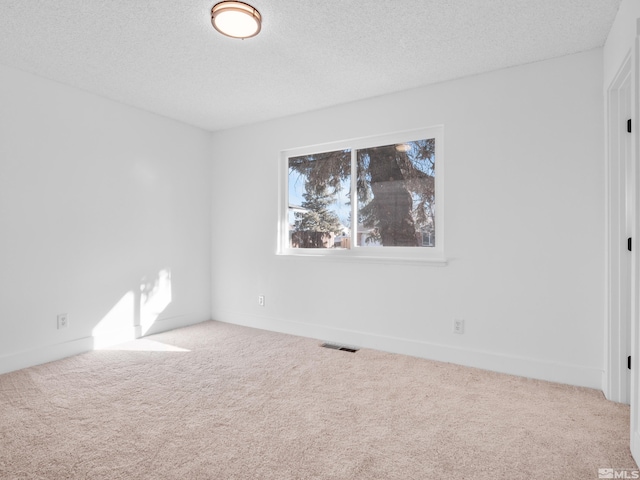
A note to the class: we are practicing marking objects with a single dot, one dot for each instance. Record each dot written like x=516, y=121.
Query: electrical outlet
x=63, y=321
x=261, y=300
x=458, y=325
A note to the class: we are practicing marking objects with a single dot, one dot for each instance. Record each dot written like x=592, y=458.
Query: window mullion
x=354, y=199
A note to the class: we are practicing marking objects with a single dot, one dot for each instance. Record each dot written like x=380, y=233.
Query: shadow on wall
x=135, y=313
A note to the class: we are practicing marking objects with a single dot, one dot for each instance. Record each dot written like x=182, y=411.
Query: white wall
x=621, y=37
x=524, y=237
x=96, y=200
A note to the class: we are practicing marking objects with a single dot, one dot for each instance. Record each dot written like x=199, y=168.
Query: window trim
x=433, y=255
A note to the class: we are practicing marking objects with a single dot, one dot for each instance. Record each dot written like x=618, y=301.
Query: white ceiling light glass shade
x=236, y=19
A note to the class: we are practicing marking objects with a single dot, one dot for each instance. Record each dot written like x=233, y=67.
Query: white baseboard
x=166, y=324
x=521, y=366
x=514, y=365
x=29, y=358
x=50, y=353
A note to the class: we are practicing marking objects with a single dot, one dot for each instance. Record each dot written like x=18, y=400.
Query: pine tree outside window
x=365, y=198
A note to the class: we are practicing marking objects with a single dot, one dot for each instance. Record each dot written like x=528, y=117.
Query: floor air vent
x=335, y=346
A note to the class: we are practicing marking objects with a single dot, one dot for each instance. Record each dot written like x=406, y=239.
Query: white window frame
x=433, y=255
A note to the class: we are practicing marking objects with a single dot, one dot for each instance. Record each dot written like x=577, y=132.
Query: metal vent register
x=343, y=348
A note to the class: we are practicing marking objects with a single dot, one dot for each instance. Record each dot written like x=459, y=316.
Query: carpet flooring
x=220, y=401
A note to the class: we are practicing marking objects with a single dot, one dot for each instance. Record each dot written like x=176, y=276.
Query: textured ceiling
x=165, y=57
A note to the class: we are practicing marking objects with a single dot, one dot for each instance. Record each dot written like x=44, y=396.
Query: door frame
x=635, y=277
x=620, y=269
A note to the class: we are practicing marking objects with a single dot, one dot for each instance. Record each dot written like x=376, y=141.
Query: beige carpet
x=227, y=402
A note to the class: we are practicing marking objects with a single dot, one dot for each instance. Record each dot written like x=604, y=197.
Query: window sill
x=365, y=257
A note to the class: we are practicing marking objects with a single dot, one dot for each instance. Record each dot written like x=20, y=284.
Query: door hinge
x=629, y=125
x=629, y=243
x=629, y=362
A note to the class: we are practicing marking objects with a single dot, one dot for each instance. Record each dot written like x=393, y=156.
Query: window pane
x=396, y=195
x=319, y=200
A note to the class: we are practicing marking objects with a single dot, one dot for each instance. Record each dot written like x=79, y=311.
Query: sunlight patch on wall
x=135, y=313
x=117, y=325
x=155, y=297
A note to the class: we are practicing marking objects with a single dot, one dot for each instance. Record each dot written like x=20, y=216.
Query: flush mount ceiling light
x=236, y=19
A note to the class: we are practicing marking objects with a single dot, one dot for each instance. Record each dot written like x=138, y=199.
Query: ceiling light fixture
x=236, y=19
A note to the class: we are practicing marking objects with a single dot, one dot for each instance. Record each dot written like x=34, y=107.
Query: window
x=377, y=197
